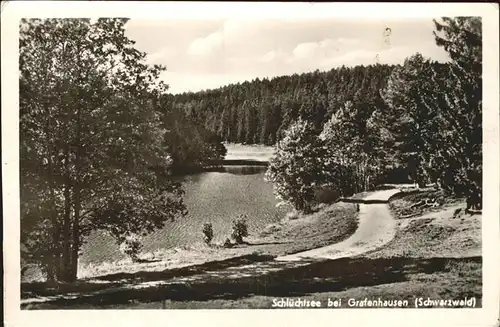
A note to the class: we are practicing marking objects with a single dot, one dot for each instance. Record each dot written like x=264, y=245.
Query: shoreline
x=282, y=238
x=218, y=166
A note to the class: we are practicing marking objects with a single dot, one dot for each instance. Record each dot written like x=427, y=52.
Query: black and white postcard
x=305, y=162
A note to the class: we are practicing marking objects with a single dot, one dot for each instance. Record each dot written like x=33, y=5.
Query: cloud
x=305, y=50
x=209, y=53
x=273, y=56
x=240, y=27
x=390, y=55
x=160, y=56
x=347, y=41
x=361, y=56
x=181, y=82
x=204, y=46
x=268, y=57
x=325, y=47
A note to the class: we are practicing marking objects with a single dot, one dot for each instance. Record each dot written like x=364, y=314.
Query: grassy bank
x=433, y=225
x=435, y=254
x=331, y=224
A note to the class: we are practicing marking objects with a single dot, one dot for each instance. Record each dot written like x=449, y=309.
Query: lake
x=216, y=197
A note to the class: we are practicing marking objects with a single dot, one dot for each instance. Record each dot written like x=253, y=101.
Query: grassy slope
x=434, y=231
x=331, y=224
x=436, y=255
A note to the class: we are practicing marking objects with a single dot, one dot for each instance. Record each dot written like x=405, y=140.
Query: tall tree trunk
x=78, y=208
x=66, y=253
x=76, y=235
x=53, y=260
x=66, y=224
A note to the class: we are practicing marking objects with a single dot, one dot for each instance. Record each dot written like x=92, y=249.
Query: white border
x=13, y=11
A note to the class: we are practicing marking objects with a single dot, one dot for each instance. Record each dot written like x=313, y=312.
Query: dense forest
x=190, y=145
x=259, y=111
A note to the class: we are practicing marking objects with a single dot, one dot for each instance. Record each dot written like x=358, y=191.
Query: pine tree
x=318, y=93
x=404, y=120
x=458, y=88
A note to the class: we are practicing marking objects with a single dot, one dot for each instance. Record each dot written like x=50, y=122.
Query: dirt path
x=376, y=228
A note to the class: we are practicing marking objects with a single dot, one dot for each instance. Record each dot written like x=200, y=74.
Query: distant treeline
x=259, y=111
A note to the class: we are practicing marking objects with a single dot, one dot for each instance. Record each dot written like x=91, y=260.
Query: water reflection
x=217, y=197
x=243, y=170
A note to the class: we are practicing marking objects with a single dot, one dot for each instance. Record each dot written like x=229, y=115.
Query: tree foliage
x=458, y=161
x=296, y=167
x=433, y=119
x=352, y=162
x=208, y=233
x=92, y=151
x=403, y=124
x=131, y=246
x=239, y=229
x=100, y=137
x=190, y=145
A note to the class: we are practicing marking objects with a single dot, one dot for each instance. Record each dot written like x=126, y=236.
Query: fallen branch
x=419, y=203
x=431, y=204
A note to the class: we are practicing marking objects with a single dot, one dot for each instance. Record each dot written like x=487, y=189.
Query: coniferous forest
x=259, y=111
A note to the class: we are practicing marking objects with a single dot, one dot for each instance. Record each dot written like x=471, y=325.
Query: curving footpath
x=376, y=228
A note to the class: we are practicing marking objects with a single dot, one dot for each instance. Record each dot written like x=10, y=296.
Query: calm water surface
x=216, y=197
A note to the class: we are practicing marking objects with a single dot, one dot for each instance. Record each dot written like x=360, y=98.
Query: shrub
x=240, y=229
x=324, y=194
x=131, y=246
x=227, y=243
x=208, y=232
x=292, y=215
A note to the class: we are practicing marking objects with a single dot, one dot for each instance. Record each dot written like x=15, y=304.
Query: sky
x=205, y=54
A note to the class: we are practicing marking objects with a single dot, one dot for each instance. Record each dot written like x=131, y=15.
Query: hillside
x=257, y=112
